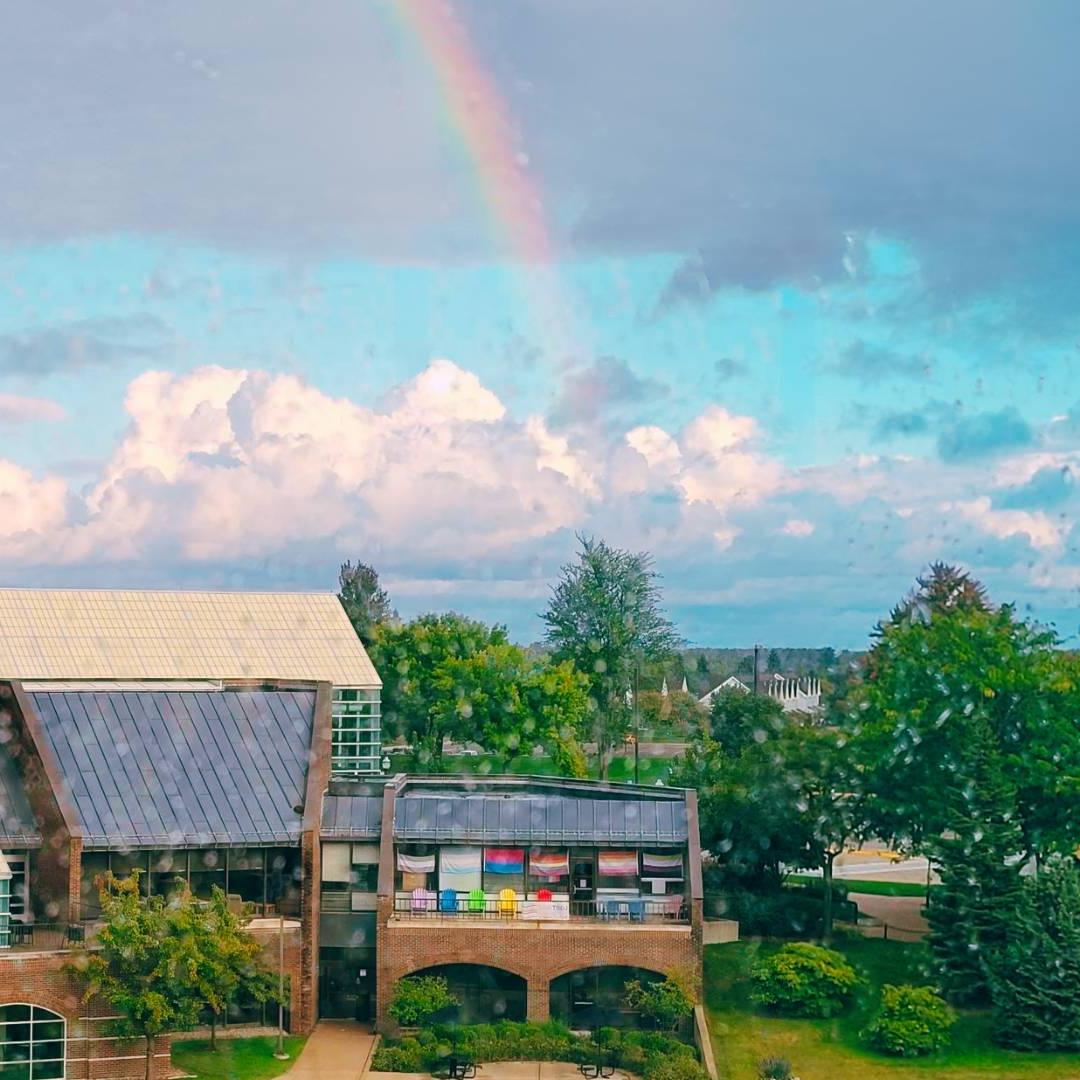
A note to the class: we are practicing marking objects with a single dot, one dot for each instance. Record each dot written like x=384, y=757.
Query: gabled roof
x=116, y=634
x=195, y=768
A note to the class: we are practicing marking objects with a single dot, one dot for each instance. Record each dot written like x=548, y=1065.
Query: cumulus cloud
x=594, y=391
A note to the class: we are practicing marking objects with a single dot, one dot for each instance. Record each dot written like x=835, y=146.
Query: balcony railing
x=671, y=909
x=49, y=937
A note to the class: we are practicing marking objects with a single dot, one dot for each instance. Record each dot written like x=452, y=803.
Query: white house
x=802, y=694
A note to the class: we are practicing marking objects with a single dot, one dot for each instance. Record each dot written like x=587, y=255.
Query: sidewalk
x=336, y=1050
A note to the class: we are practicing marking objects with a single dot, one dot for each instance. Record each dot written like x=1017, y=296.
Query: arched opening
x=592, y=997
x=32, y=1042
x=485, y=994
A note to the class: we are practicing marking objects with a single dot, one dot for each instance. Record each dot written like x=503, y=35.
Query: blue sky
x=254, y=320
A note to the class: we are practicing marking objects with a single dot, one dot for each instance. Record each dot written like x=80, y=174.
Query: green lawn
x=867, y=886
x=235, y=1059
x=831, y=1049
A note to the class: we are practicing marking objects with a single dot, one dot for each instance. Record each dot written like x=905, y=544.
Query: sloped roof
x=164, y=769
x=538, y=819
x=17, y=825
x=116, y=634
x=352, y=817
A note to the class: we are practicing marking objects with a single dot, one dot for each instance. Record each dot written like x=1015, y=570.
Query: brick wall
x=92, y=1053
x=536, y=954
x=268, y=937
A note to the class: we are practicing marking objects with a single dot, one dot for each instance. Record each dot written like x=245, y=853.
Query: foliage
x=772, y=662
x=604, y=616
x=663, y=1003
x=781, y=913
x=365, y=601
x=943, y=668
x=229, y=960
x=235, y=1059
x=980, y=881
x=653, y=1055
x=1035, y=980
x=146, y=966
x=446, y=676
x=774, y=1068
x=804, y=980
x=677, y=712
x=911, y=1021
x=943, y=589
x=418, y=998
x=737, y=720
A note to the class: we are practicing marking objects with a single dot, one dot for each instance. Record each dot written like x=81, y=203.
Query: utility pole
x=637, y=724
x=757, y=669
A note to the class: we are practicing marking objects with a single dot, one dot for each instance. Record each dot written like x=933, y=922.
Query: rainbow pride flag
x=504, y=860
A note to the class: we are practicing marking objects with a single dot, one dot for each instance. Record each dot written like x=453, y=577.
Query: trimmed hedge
x=804, y=980
x=652, y=1054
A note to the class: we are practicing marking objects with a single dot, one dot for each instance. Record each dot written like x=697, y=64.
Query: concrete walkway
x=901, y=913
x=510, y=1070
x=335, y=1050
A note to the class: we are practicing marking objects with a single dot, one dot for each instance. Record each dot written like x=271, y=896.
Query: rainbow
x=479, y=116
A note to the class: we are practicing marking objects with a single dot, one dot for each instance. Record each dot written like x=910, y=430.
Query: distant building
x=794, y=693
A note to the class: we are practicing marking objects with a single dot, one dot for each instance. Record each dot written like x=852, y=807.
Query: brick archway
x=570, y=967
x=452, y=959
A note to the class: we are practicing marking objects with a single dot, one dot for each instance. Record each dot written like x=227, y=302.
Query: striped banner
x=661, y=862
x=618, y=863
x=504, y=860
x=548, y=864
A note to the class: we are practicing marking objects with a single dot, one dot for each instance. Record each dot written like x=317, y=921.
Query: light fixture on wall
x=385, y=763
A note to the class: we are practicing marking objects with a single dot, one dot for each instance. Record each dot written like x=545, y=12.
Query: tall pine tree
x=977, y=861
x=1035, y=981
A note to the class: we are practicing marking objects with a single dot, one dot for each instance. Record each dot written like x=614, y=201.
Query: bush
x=664, y=1003
x=653, y=1055
x=774, y=1068
x=804, y=980
x=911, y=1020
x=416, y=1000
x=784, y=913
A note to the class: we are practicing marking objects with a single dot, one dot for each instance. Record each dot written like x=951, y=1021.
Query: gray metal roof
x=17, y=825
x=160, y=769
x=352, y=817
x=539, y=819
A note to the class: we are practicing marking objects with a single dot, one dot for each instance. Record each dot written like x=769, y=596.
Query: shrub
x=676, y=1068
x=804, y=980
x=663, y=1004
x=417, y=999
x=784, y=913
x=911, y=1020
x=774, y=1068
x=405, y=1056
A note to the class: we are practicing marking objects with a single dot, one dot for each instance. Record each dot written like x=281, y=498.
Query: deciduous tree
x=365, y=601
x=605, y=617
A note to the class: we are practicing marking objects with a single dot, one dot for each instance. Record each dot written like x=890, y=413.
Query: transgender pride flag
x=504, y=860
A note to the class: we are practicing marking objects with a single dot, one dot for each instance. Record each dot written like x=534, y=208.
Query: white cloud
x=1041, y=530
x=797, y=527
x=16, y=409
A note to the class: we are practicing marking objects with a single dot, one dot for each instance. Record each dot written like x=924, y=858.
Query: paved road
x=336, y=1050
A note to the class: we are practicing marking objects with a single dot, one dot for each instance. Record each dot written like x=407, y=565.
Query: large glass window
x=31, y=1043
x=356, y=732
x=207, y=870
x=246, y=874
x=166, y=867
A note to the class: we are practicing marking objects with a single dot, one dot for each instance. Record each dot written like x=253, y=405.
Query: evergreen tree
x=1035, y=981
x=773, y=661
x=365, y=601
x=702, y=666
x=977, y=862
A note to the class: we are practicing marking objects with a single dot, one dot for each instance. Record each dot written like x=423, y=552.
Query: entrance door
x=346, y=984
x=583, y=869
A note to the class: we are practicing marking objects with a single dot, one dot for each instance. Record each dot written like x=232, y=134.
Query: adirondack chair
x=508, y=903
x=477, y=902
x=448, y=900
x=422, y=900
x=544, y=894
x=636, y=910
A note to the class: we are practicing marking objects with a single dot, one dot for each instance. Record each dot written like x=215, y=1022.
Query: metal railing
x=669, y=910
x=49, y=937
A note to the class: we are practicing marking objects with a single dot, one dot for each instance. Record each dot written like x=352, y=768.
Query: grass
x=866, y=887
x=832, y=1049
x=235, y=1059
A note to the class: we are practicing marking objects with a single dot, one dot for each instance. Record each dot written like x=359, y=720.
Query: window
x=207, y=870
x=95, y=865
x=20, y=900
x=504, y=868
x=246, y=870
x=549, y=868
x=415, y=867
x=31, y=1043
x=5, y=911
x=356, y=732
x=165, y=868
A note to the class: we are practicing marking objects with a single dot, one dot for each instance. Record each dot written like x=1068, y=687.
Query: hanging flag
x=415, y=864
x=504, y=860
x=661, y=862
x=618, y=863
x=548, y=864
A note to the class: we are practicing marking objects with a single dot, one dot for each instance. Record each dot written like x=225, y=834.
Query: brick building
x=233, y=739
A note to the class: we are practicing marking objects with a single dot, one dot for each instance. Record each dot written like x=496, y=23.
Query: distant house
x=795, y=694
